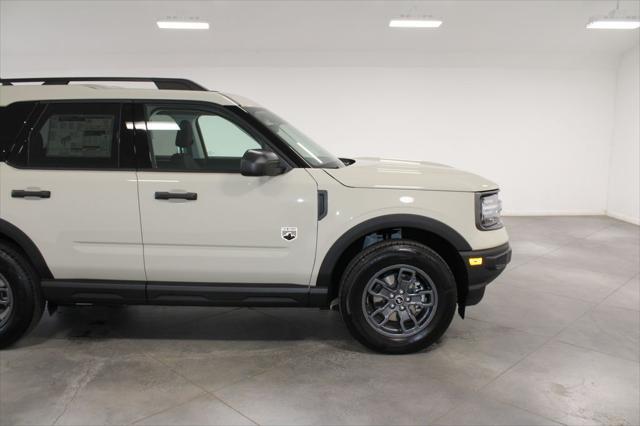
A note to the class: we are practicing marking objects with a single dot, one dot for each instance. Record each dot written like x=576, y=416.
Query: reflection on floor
x=554, y=341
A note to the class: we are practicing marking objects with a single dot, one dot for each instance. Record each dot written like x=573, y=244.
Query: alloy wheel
x=6, y=301
x=400, y=301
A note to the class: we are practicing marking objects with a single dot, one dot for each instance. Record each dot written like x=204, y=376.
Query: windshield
x=313, y=153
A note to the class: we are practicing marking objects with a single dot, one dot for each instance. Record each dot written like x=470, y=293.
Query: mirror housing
x=260, y=162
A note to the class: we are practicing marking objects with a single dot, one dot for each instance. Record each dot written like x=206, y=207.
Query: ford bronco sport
x=183, y=196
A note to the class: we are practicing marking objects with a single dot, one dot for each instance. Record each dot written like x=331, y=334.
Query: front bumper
x=484, y=266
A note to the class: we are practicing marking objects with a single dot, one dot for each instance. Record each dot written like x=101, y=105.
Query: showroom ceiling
x=314, y=32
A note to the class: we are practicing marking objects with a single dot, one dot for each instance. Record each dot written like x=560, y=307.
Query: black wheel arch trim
x=388, y=221
x=15, y=235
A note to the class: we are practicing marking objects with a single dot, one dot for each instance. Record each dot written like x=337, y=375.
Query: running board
x=65, y=292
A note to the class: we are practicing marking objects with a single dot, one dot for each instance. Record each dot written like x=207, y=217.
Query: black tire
x=28, y=304
x=364, y=266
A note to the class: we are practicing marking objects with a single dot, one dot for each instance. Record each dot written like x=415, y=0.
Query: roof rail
x=161, y=83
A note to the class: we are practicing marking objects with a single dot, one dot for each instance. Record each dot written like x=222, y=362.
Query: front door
x=202, y=221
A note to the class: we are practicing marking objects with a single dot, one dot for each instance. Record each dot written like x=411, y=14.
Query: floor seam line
x=166, y=409
x=635, y=361
x=201, y=388
x=73, y=397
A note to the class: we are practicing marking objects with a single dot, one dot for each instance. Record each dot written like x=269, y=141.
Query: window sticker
x=71, y=135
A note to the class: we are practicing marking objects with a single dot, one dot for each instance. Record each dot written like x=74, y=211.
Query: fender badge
x=289, y=233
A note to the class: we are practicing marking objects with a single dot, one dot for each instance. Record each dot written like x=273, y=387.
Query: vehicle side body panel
x=233, y=232
x=88, y=228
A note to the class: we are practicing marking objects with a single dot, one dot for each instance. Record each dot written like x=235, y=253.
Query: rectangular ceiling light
x=415, y=23
x=614, y=24
x=184, y=25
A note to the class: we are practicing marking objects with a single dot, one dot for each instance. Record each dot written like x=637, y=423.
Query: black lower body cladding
x=494, y=261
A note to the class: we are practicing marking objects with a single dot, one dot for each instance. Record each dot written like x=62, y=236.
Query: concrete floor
x=555, y=341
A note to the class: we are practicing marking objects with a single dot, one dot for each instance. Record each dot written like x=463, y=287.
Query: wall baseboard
x=624, y=218
x=555, y=213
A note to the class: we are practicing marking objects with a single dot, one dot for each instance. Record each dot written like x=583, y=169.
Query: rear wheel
x=398, y=296
x=21, y=302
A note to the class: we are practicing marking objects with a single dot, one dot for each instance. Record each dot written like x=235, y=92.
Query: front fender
x=383, y=222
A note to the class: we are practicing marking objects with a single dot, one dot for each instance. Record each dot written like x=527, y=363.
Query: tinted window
x=222, y=138
x=12, y=119
x=76, y=136
x=191, y=139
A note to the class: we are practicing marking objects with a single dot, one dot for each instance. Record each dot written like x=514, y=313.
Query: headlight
x=488, y=209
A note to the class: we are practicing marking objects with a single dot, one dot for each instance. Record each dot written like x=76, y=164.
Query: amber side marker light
x=475, y=261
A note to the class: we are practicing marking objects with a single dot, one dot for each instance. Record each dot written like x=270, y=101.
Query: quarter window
x=13, y=118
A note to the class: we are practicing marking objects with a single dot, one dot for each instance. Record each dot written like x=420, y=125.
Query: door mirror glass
x=260, y=162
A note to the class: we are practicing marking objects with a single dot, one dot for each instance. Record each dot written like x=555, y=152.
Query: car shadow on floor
x=168, y=323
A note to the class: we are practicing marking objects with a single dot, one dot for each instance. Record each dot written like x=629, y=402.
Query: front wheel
x=398, y=296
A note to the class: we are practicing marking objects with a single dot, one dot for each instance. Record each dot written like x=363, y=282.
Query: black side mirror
x=260, y=162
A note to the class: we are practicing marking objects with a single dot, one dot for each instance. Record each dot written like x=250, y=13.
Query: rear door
x=202, y=221
x=70, y=185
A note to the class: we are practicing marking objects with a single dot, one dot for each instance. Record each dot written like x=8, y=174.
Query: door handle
x=190, y=196
x=21, y=193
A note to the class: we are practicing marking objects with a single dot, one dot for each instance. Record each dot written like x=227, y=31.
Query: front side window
x=76, y=136
x=191, y=139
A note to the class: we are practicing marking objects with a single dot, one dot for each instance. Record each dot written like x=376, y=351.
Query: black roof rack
x=161, y=83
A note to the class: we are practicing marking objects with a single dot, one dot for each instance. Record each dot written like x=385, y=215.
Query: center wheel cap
x=399, y=300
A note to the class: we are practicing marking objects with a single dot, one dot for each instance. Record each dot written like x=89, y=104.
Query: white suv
x=184, y=196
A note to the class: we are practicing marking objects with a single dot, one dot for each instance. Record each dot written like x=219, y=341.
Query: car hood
x=400, y=174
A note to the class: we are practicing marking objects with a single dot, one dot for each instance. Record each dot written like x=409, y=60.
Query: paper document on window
x=80, y=136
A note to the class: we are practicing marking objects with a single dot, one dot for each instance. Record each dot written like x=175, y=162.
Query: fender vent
x=323, y=204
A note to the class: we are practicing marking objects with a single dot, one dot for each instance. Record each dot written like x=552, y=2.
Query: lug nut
x=392, y=306
x=402, y=308
x=401, y=291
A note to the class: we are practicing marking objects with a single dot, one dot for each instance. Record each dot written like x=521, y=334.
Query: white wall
x=542, y=133
x=624, y=181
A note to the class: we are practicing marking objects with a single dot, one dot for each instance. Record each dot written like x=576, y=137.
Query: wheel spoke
x=384, y=290
x=421, y=298
x=380, y=310
x=412, y=317
x=388, y=314
x=403, y=317
x=406, y=278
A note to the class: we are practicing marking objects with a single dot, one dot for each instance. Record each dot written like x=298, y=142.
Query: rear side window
x=76, y=136
x=12, y=120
